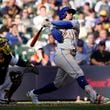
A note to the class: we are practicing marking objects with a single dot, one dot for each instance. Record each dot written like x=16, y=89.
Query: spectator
x=10, y=8
x=81, y=18
x=90, y=19
x=42, y=3
x=38, y=20
x=55, y=16
x=30, y=12
x=18, y=21
x=108, y=44
x=91, y=42
x=40, y=58
x=20, y=3
x=103, y=35
x=3, y=31
x=65, y=3
x=97, y=28
x=22, y=29
x=54, y=5
x=4, y=7
x=7, y=21
x=104, y=19
x=26, y=23
x=28, y=2
x=25, y=20
x=83, y=30
x=49, y=49
x=86, y=8
x=81, y=57
x=14, y=37
x=102, y=5
x=100, y=57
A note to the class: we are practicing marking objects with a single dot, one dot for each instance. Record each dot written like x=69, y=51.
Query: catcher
x=10, y=81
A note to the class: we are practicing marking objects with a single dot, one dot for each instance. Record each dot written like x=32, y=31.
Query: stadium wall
x=98, y=77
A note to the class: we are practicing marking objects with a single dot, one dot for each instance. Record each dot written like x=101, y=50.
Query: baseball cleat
x=34, y=97
x=106, y=101
x=102, y=100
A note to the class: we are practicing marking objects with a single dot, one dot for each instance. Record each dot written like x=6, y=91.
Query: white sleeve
x=13, y=61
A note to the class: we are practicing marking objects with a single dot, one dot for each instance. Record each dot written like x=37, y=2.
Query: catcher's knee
x=16, y=77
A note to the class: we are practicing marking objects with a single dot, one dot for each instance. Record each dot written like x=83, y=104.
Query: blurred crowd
x=20, y=20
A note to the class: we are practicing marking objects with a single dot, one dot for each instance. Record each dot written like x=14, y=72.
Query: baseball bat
x=36, y=37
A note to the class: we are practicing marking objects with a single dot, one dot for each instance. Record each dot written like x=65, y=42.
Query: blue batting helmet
x=63, y=11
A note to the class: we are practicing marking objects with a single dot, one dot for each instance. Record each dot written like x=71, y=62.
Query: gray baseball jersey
x=64, y=59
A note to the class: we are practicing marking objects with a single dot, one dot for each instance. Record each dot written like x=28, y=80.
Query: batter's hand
x=46, y=23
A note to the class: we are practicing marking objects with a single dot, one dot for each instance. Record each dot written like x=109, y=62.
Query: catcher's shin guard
x=16, y=78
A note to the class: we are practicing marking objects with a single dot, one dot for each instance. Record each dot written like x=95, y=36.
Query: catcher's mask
x=4, y=46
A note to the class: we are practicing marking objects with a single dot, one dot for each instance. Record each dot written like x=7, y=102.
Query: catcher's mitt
x=31, y=68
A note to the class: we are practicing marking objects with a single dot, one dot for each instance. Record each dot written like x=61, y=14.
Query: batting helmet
x=63, y=11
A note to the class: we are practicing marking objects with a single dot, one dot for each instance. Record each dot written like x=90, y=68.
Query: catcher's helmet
x=63, y=11
x=4, y=46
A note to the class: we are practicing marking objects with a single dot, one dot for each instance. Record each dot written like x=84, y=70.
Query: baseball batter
x=66, y=31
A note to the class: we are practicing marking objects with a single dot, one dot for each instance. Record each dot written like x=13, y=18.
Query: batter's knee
x=82, y=81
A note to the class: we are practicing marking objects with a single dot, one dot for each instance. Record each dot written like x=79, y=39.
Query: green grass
x=56, y=105
x=75, y=107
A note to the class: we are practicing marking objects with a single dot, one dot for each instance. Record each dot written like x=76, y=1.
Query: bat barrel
x=36, y=37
